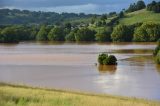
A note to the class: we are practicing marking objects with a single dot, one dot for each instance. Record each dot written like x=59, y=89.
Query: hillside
x=16, y=16
x=140, y=16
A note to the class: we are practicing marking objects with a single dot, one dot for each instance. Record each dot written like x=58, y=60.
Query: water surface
x=72, y=66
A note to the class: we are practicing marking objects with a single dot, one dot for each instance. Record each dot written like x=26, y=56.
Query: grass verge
x=18, y=95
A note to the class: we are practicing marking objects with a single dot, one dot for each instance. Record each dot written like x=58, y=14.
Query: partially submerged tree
x=105, y=59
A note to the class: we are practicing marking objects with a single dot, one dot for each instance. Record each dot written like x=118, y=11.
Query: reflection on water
x=111, y=69
x=72, y=66
x=158, y=68
x=135, y=51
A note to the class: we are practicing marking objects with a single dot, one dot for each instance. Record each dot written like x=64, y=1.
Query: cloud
x=77, y=6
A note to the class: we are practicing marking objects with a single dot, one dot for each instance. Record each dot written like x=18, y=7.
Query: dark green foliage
x=56, y=34
x=104, y=59
x=122, y=33
x=15, y=34
x=140, y=5
x=16, y=16
x=33, y=32
x=147, y=32
x=154, y=6
x=99, y=23
x=156, y=53
x=104, y=17
x=157, y=49
x=112, y=60
x=42, y=34
x=71, y=35
x=136, y=6
x=9, y=35
x=121, y=14
x=113, y=21
x=68, y=25
x=104, y=34
x=85, y=34
x=111, y=14
x=158, y=57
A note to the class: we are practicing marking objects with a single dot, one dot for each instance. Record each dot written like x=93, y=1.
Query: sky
x=71, y=6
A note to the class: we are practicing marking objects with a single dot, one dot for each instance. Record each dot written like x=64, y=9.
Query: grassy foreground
x=14, y=95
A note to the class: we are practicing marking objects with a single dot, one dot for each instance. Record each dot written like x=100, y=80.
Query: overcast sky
x=77, y=6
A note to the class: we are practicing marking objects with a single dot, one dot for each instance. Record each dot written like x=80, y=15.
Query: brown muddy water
x=71, y=66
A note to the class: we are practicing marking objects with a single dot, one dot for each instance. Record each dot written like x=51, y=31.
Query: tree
x=71, y=35
x=157, y=49
x=56, y=34
x=158, y=57
x=136, y=6
x=122, y=33
x=42, y=34
x=102, y=57
x=104, y=34
x=110, y=60
x=99, y=23
x=85, y=34
x=105, y=59
x=68, y=25
x=9, y=35
x=154, y=6
x=104, y=17
x=140, y=5
x=147, y=32
x=33, y=32
x=121, y=14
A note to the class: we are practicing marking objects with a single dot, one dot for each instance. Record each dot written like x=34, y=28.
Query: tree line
x=16, y=16
x=154, y=6
x=140, y=32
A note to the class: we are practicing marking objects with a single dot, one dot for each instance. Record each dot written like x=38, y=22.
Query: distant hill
x=16, y=16
x=139, y=17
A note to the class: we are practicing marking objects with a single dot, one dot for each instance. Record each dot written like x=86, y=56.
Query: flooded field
x=72, y=66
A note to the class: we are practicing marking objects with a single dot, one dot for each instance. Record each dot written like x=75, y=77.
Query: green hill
x=140, y=16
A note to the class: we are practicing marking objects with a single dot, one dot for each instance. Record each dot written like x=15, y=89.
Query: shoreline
x=12, y=88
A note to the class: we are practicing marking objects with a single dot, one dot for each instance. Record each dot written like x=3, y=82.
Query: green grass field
x=13, y=95
x=140, y=16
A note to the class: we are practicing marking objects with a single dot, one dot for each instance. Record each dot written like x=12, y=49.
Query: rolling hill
x=140, y=16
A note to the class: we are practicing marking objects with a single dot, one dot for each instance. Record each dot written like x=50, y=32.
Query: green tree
x=42, y=34
x=68, y=25
x=104, y=17
x=147, y=32
x=122, y=33
x=157, y=49
x=101, y=58
x=85, y=34
x=9, y=35
x=121, y=14
x=105, y=59
x=154, y=6
x=56, y=34
x=71, y=35
x=140, y=5
x=158, y=57
x=104, y=34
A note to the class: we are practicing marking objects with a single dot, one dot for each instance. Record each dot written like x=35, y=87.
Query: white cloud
x=86, y=8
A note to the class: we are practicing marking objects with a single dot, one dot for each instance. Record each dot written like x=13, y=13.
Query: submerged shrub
x=158, y=57
x=104, y=59
x=155, y=52
x=101, y=58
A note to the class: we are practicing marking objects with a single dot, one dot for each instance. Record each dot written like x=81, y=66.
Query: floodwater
x=72, y=66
